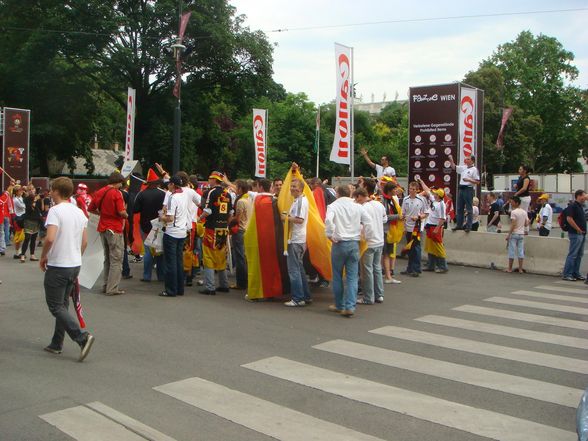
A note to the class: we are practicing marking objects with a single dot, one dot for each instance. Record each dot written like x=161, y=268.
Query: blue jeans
x=345, y=255
x=173, y=255
x=239, y=259
x=126, y=269
x=7, y=230
x=465, y=197
x=209, y=282
x=516, y=246
x=373, y=281
x=2, y=242
x=149, y=260
x=575, y=254
x=296, y=273
x=414, y=255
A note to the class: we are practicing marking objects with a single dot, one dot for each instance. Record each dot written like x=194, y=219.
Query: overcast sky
x=391, y=57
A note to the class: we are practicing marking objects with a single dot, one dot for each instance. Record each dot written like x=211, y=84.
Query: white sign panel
x=130, y=126
x=260, y=138
x=467, y=124
x=341, y=151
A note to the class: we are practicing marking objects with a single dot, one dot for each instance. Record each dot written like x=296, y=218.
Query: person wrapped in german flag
x=395, y=229
x=436, y=256
x=267, y=273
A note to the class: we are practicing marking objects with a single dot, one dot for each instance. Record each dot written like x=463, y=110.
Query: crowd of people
x=280, y=237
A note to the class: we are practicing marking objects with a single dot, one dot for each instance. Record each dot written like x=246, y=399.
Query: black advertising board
x=15, y=152
x=433, y=134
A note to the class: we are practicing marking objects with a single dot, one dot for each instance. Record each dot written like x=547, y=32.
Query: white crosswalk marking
x=257, y=414
x=531, y=318
x=542, y=295
x=447, y=413
x=539, y=390
x=543, y=337
x=487, y=349
x=583, y=290
x=84, y=424
x=538, y=305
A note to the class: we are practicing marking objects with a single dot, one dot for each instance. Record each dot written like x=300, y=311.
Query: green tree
x=548, y=125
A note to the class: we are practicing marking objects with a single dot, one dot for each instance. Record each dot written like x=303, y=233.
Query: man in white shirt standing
x=545, y=215
x=175, y=216
x=343, y=227
x=373, y=232
x=383, y=168
x=414, y=210
x=298, y=219
x=61, y=260
x=469, y=177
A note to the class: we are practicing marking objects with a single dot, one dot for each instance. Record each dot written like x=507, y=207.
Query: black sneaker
x=207, y=292
x=128, y=276
x=222, y=289
x=52, y=350
x=86, y=346
x=166, y=294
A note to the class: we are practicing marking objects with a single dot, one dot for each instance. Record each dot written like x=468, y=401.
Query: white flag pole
x=352, y=121
x=318, y=140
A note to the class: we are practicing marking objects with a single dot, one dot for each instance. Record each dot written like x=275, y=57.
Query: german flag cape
x=321, y=204
x=416, y=237
x=319, y=248
x=267, y=274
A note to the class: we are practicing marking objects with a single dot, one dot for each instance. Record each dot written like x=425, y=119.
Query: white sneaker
x=395, y=281
x=294, y=303
x=380, y=299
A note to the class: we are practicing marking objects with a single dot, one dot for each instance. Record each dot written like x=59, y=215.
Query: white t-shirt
x=71, y=222
x=410, y=208
x=437, y=212
x=194, y=200
x=518, y=216
x=299, y=209
x=19, y=206
x=546, y=211
x=384, y=171
x=373, y=230
x=177, y=206
x=467, y=172
x=475, y=214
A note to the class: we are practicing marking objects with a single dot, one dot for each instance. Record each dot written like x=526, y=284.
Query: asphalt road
x=252, y=371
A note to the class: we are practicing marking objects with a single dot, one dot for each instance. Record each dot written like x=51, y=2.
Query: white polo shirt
x=299, y=209
x=467, y=172
x=384, y=171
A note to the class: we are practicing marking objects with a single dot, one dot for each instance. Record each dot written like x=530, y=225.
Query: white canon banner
x=130, y=126
x=259, y=138
x=341, y=151
x=467, y=124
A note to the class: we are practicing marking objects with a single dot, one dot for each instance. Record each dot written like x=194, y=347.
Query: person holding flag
x=61, y=260
x=436, y=256
x=414, y=210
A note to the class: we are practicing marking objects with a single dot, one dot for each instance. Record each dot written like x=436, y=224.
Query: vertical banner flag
x=259, y=138
x=183, y=24
x=317, y=130
x=15, y=149
x=505, y=116
x=341, y=151
x=467, y=123
x=130, y=135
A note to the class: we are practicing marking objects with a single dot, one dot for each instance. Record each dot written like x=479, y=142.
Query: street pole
x=178, y=109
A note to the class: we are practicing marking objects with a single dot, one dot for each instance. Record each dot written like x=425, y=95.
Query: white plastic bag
x=155, y=237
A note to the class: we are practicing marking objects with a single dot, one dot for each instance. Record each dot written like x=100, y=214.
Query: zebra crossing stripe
x=486, y=349
x=538, y=390
x=447, y=413
x=538, y=305
x=564, y=289
x=83, y=424
x=254, y=413
x=524, y=317
x=542, y=337
x=542, y=295
x=130, y=423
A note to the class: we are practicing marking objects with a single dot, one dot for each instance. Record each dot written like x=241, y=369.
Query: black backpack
x=562, y=220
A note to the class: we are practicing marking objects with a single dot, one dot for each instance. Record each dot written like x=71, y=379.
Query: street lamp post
x=178, y=48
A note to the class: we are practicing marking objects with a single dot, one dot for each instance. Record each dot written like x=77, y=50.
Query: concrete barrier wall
x=543, y=255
